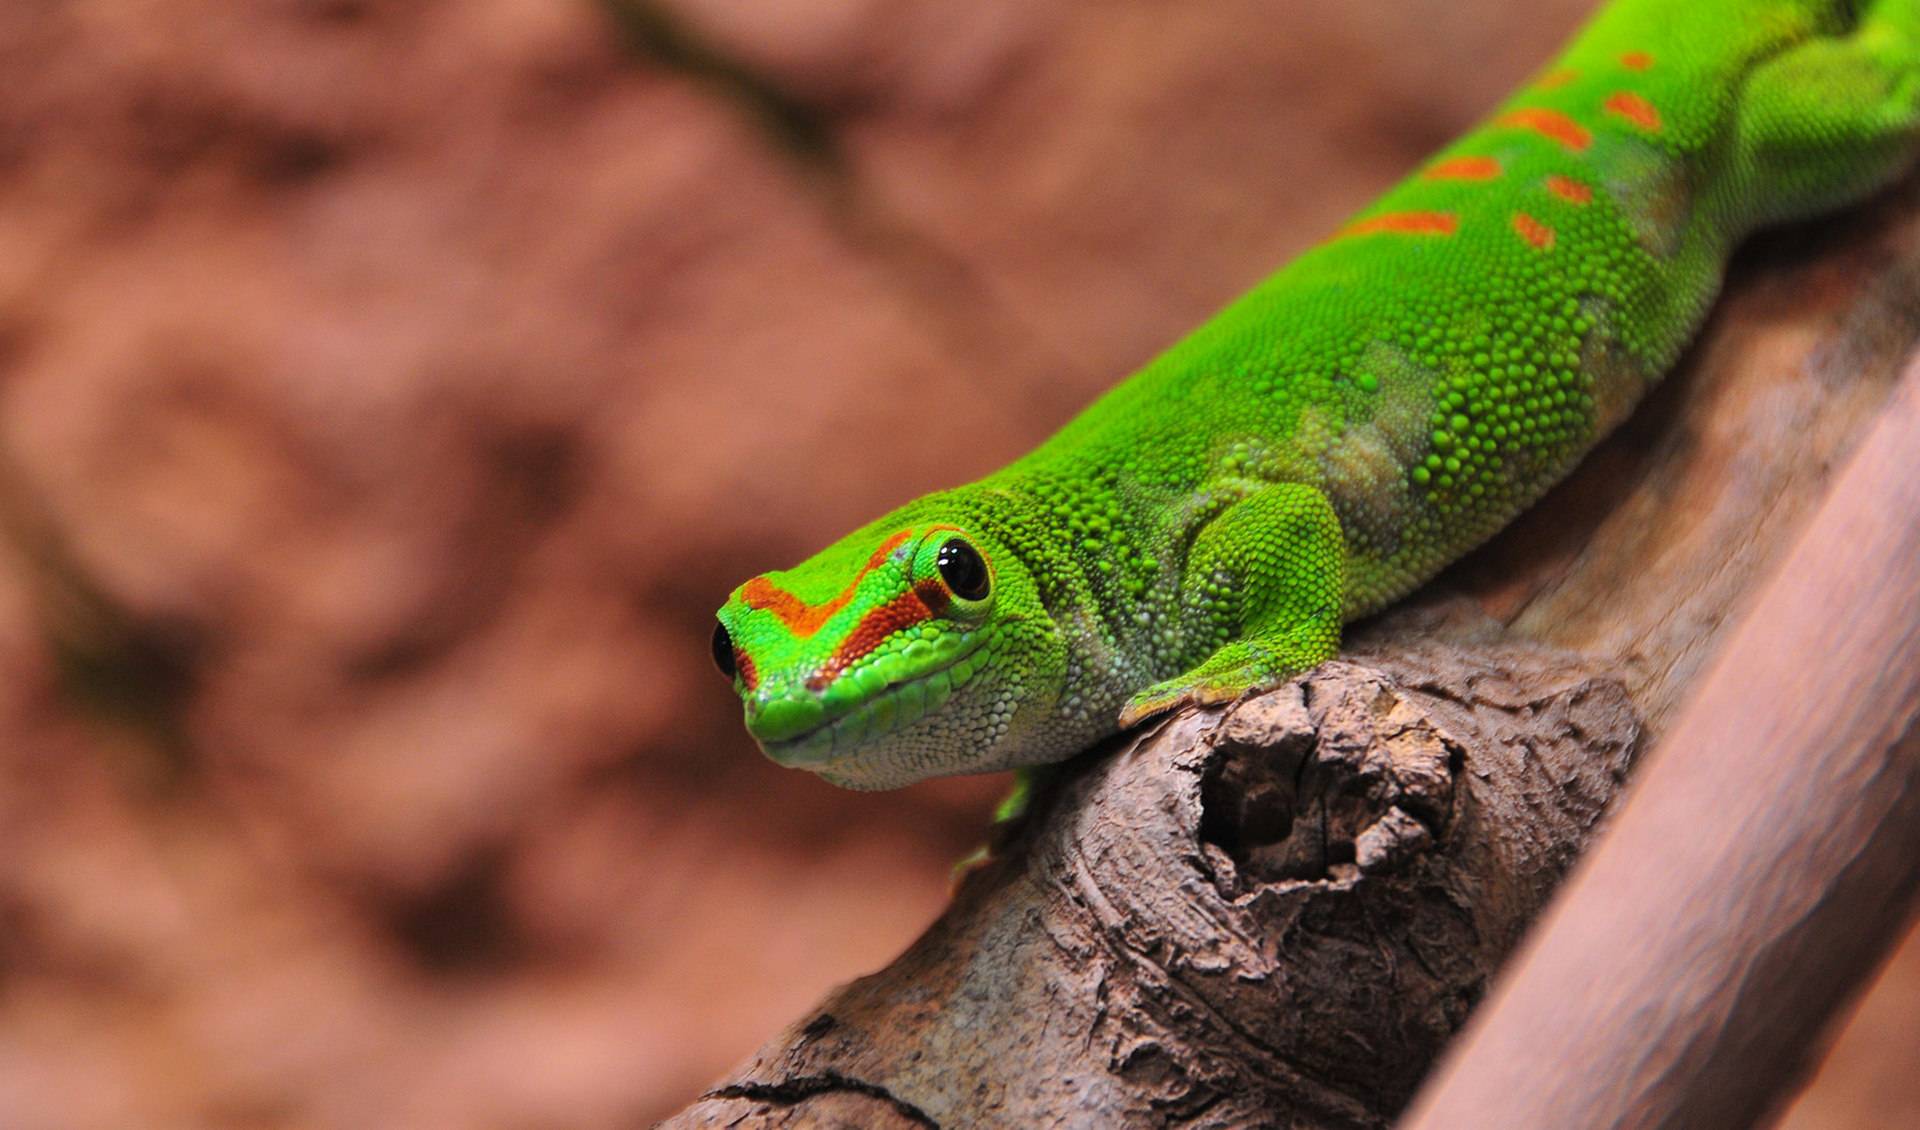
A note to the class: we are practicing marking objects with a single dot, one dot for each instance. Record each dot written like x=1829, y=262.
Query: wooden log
x=1241, y=912
x=1764, y=864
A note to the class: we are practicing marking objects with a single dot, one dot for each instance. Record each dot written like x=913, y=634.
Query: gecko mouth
x=886, y=711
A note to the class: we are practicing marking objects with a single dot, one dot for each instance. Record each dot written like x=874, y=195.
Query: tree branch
x=1785, y=823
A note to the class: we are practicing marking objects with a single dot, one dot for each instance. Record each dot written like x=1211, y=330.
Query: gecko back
x=1448, y=355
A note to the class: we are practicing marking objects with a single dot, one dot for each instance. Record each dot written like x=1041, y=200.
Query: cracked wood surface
x=1286, y=906
x=1277, y=914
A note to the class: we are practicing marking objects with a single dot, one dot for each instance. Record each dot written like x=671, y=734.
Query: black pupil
x=723, y=652
x=963, y=569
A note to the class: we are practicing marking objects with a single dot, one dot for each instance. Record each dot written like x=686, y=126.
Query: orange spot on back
x=1549, y=124
x=1636, y=60
x=801, y=618
x=1569, y=190
x=1635, y=109
x=1464, y=168
x=1554, y=80
x=1406, y=223
x=1533, y=231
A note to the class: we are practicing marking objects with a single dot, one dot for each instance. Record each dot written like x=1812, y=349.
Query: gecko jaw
x=884, y=712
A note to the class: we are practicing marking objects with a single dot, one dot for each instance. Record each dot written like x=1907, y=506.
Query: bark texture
x=1787, y=826
x=1278, y=911
x=1277, y=914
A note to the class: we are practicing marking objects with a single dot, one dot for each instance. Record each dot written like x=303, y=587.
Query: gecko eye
x=964, y=570
x=723, y=652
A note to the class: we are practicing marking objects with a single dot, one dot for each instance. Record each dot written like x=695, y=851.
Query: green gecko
x=1333, y=438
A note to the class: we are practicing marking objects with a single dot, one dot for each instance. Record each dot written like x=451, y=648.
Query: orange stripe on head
x=1405, y=223
x=801, y=618
x=1554, y=80
x=1636, y=60
x=926, y=600
x=1569, y=190
x=1464, y=168
x=1635, y=109
x=1533, y=231
x=1549, y=124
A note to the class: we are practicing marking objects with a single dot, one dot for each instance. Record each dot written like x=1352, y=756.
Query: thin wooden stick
x=1763, y=861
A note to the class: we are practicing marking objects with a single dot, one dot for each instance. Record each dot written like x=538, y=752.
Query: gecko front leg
x=1263, y=587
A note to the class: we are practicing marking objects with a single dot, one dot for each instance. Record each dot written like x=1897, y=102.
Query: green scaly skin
x=1332, y=439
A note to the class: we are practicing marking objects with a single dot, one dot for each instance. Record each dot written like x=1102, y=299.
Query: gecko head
x=910, y=649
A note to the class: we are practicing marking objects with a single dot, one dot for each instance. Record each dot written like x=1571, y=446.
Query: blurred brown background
x=390, y=390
